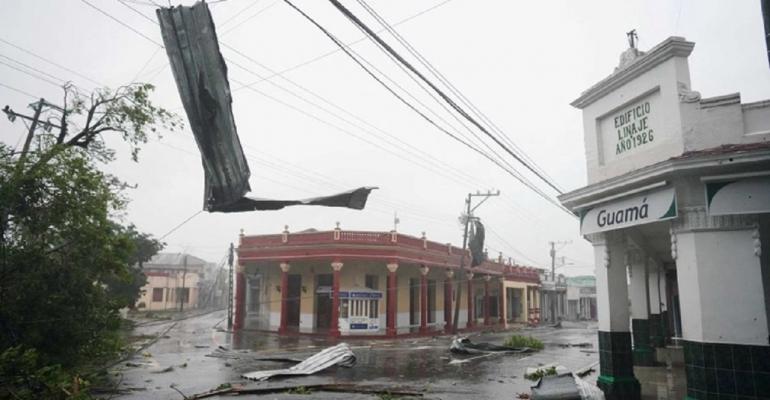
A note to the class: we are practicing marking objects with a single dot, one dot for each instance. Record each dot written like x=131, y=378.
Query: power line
x=260, y=11
x=439, y=102
x=20, y=48
x=441, y=93
x=312, y=116
x=30, y=67
x=428, y=119
x=337, y=49
x=449, y=84
x=301, y=189
x=511, y=171
x=19, y=91
x=61, y=82
x=237, y=13
x=57, y=84
x=432, y=161
x=300, y=97
x=154, y=53
x=180, y=224
x=127, y=26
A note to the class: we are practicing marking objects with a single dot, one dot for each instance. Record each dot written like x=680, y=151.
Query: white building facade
x=581, y=298
x=676, y=208
x=553, y=297
x=173, y=282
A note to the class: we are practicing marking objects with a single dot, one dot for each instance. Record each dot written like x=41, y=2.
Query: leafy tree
x=127, y=287
x=65, y=260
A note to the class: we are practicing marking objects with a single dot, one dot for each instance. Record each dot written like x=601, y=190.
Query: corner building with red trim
x=356, y=283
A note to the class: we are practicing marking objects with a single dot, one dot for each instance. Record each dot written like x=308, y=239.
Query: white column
x=611, y=285
x=638, y=288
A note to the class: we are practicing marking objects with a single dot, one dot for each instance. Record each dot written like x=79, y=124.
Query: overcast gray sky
x=521, y=63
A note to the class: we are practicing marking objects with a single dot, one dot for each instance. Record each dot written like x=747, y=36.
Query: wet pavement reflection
x=180, y=359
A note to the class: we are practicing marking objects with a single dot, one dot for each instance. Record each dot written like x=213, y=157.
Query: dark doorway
x=672, y=304
x=323, y=301
x=414, y=301
x=293, y=299
x=478, y=311
x=494, y=304
x=513, y=306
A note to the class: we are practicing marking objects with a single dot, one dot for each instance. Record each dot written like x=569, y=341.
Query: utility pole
x=34, y=120
x=554, y=294
x=230, y=289
x=182, y=296
x=468, y=216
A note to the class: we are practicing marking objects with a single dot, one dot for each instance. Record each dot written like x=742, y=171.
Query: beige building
x=173, y=282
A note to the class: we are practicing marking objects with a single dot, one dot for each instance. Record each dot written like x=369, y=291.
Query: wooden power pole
x=461, y=278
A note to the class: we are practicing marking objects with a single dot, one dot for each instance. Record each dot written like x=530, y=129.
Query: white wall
x=721, y=293
x=637, y=290
x=655, y=302
x=658, y=85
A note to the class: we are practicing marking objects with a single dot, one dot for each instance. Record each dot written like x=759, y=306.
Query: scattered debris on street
x=537, y=373
x=336, y=355
x=463, y=345
x=222, y=352
x=383, y=391
x=566, y=386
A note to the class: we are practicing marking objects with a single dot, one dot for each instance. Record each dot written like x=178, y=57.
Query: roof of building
x=171, y=260
x=673, y=46
x=724, y=149
x=368, y=245
x=699, y=160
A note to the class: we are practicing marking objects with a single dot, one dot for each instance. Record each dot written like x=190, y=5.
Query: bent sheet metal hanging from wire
x=201, y=78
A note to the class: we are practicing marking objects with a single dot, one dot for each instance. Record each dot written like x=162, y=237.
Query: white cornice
x=674, y=46
x=578, y=199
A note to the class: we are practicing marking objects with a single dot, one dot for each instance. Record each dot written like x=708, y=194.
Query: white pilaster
x=611, y=284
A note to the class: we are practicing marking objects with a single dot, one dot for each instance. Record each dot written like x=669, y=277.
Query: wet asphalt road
x=180, y=360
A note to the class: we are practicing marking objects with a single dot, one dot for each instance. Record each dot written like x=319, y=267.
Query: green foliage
x=59, y=249
x=550, y=371
x=299, y=390
x=23, y=376
x=66, y=264
x=125, y=287
x=126, y=111
x=524, y=341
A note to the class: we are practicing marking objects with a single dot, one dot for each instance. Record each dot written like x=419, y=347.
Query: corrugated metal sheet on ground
x=340, y=355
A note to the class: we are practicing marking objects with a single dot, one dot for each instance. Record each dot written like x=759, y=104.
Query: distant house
x=173, y=282
x=581, y=297
x=553, y=297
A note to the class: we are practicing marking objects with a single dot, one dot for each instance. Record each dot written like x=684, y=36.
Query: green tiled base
x=643, y=354
x=619, y=388
x=723, y=370
x=644, y=357
x=616, y=377
x=658, y=330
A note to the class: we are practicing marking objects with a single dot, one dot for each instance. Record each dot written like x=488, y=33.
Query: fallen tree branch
x=326, y=387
